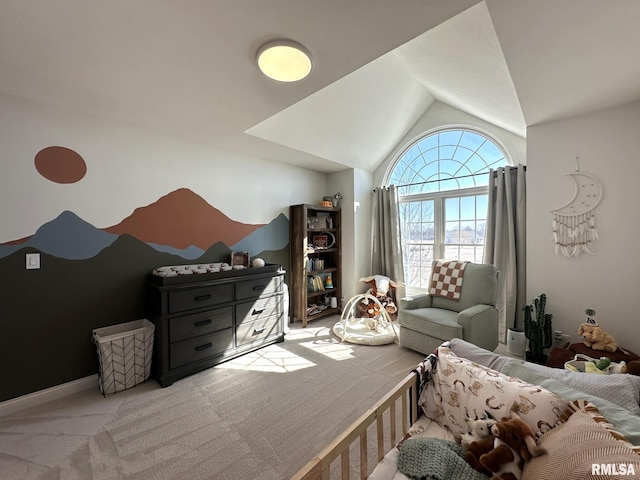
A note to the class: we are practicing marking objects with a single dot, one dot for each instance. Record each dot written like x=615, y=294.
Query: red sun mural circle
x=60, y=165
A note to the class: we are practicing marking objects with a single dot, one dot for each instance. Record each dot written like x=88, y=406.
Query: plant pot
x=539, y=360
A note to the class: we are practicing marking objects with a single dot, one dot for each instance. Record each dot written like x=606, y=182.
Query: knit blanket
x=446, y=279
x=435, y=459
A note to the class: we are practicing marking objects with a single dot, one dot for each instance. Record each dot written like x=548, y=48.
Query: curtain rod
x=495, y=174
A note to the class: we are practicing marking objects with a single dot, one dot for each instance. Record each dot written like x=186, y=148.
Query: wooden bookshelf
x=315, y=247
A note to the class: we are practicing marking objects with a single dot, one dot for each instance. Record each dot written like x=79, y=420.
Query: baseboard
x=48, y=394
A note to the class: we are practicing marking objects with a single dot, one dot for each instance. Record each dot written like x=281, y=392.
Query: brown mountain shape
x=180, y=219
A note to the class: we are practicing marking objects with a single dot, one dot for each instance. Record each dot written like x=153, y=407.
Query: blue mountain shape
x=273, y=236
x=68, y=236
x=189, y=253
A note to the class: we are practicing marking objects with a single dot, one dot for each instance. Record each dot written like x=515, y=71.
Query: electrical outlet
x=33, y=261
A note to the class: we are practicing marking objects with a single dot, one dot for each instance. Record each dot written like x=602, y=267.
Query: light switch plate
x=33, y=261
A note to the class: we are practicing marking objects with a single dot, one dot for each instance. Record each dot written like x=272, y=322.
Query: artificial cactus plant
x=538, y=331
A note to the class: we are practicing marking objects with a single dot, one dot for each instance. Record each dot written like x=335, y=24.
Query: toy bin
x=124, y=354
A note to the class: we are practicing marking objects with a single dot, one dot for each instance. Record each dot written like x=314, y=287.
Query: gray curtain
x=386, y=251
x=506, y=244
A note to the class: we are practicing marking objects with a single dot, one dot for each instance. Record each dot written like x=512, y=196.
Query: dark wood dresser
x=205, y=319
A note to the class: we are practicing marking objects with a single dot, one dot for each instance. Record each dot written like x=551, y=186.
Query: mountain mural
x=92, y=277
x=274, y=236
x=182, y=219
x=67, y=236
x=181, y=223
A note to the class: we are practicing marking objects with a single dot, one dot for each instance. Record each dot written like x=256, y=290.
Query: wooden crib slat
x=363, y=455
x=380, y=435
x=345, y=464
x=392, y=421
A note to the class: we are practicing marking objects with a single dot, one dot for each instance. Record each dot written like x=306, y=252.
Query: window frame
x=439, y=197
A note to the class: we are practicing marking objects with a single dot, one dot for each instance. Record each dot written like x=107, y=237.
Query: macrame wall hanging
x=574, y=226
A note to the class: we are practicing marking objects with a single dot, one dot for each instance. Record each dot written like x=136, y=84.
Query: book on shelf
x=316, y=284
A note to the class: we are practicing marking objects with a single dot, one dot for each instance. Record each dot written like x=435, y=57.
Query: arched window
x=442, y=180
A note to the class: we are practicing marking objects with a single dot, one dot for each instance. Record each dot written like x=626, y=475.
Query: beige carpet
x=262, y=416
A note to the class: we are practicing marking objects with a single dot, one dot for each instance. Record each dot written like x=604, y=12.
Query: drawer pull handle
x=202, y=323
x=259, y=287
x=199, y=298
x=258, y=332
x=204, y=347
x=257, y=312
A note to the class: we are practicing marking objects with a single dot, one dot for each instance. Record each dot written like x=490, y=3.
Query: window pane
x=452, y=208
x=467, y=208
x=468, y=232
x=481, y=206
x=467, y=254
x=450, y=137
x=451, y=252
x=480, y=232
x=452, y=232
x=427, y=211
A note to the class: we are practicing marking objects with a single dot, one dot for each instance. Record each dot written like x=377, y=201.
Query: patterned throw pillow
x=446, y=279
x=581, y=449
x=462, y=389
x=590, y=409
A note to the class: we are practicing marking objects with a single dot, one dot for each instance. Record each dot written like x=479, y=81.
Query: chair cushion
x=435, y=322
x=479, y=285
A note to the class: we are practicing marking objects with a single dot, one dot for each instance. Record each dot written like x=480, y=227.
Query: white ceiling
x=187, y=68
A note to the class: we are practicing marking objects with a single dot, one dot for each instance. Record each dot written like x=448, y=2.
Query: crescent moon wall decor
x=574, y=223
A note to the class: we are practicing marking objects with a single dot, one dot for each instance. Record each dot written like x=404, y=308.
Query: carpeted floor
x=261, y=416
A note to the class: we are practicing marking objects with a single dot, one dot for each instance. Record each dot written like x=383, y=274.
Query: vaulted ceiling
x=187, y=68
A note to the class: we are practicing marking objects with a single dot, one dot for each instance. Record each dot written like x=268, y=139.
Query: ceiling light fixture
x=284, y=60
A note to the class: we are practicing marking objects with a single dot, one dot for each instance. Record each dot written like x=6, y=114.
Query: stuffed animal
x=513, y=444
x=380, y=287
x=632, y=368
x=594, y=337
x=476, y=431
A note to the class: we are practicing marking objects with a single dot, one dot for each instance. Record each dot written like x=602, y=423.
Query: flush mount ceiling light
x=284, y=60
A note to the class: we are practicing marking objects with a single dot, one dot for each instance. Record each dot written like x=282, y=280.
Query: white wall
x=355, y=186
x=607, y=144
x=130, y=167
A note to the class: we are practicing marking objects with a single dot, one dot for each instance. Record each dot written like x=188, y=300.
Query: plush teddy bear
x=594, y=337
x=513, y=444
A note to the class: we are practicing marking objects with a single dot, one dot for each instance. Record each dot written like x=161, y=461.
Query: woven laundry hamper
x=124, y=354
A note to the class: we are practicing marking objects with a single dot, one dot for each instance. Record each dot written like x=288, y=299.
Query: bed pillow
x=593, y=411
x=461, y=389
x=477, y=354
x=623, y=390
x=622, y=419
x=563, y=461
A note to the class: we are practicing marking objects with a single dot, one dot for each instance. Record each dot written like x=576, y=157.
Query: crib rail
x=319, y=468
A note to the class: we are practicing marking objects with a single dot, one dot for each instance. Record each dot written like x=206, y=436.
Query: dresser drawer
x=187, y=326
x=258, y=309
x=250, y=332
x=191, y=298
x=257, y=287
x=200, y=347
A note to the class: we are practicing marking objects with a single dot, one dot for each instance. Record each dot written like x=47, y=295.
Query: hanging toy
x=574, y=223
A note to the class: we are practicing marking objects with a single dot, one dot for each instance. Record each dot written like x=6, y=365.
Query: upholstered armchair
x=428, y=320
